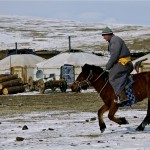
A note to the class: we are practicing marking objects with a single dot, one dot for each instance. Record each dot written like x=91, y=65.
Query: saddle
x=129, y=92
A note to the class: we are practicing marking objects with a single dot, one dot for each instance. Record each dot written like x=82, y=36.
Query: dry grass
x=140, y=44
x=135, y=44
x=90, y=29
x=84, y=102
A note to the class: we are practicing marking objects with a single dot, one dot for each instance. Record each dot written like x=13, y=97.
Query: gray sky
x=121, y=12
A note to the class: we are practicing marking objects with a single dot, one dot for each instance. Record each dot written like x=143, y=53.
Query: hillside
x=38, y=34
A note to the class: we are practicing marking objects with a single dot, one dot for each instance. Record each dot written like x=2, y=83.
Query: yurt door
x=68, y=73
x=21, y=72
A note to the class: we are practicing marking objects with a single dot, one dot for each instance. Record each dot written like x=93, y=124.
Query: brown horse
x=98, y=78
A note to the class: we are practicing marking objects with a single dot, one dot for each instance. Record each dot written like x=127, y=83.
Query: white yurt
x=68, y=64
x=21, y=64
x=144, y=63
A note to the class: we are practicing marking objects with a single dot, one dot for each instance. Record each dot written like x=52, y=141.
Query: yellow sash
x=124, y=60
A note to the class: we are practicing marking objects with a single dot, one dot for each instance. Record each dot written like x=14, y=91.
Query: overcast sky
x=120, y=12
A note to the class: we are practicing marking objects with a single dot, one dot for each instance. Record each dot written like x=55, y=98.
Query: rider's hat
x=107, y=31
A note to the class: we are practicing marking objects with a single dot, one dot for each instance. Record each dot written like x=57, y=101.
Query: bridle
x=88, y=82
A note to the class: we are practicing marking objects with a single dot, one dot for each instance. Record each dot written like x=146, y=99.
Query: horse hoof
x=139, y=128
x=124, y=121
x=102, y=130
x=102, y=127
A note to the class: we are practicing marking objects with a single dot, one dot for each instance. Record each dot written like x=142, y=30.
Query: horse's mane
x=96, y=69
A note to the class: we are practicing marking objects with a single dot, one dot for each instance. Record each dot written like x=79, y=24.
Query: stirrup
x=117, y=100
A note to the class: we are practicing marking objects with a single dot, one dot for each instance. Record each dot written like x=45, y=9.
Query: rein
x=104, y=84
x=99, y=76
x=88, y=82
x=103, y=87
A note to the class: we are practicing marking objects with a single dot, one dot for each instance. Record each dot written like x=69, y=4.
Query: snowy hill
x=38, y=34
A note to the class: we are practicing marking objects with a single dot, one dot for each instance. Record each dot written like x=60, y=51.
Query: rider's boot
x=121, y=98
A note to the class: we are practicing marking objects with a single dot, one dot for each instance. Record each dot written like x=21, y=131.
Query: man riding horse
x=119, y=64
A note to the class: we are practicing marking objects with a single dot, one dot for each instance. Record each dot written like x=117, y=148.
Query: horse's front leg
x=101, y=111
x=111, y=115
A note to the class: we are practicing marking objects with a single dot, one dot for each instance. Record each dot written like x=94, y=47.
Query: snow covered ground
x=39, y=33
x=69, y=130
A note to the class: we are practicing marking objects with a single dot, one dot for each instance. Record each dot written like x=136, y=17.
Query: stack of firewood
x=11, y=84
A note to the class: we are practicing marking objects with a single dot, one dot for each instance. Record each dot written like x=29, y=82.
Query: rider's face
x=107, y=37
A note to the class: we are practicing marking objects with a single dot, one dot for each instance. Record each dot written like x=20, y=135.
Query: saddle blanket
x=129, y=93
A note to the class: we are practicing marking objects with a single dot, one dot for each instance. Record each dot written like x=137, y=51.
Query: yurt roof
x=76, y=59
x=20, y=60
x=143, y=57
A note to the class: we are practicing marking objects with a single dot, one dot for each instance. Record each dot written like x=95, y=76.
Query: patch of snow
x=69, y=130
x=39, y=34
x=57, y=90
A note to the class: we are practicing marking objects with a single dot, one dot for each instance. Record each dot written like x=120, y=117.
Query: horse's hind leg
x=101, y=111
x=146, y=119
x=111, y=115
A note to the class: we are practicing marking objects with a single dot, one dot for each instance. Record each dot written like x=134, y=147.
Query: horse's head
x=88, y=75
